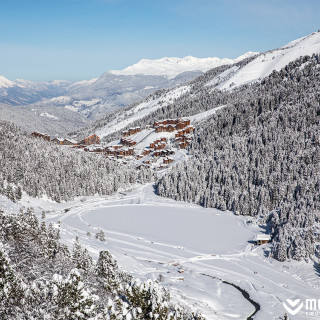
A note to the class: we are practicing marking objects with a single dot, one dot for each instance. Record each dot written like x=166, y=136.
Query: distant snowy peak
x=171, y=67
x=6, y=83
x=83, y=83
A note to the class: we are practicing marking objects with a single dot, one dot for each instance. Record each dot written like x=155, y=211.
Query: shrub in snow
x=100, y=235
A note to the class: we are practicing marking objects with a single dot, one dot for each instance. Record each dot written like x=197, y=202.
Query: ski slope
x=263, y=65
x=141, y=110
x=192, y=248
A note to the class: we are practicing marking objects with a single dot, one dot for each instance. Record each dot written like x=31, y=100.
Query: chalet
x=180, y=125
x=69, y=142
x=37, y=134
x=170, y=125
x=98, y=150
x=110, y=151
x=189, y=129
x=134, y=130
x=130, y=132
x=126, y=152
x=57, y=140
x=125, y=133
x=263, y=238
x=160, y=128
x=120, y=152
x=117, y=146
x=167, y=160
x=183, y=145
x=146, y=151
x=128, y=142
x=159, y=146
x=93, y=139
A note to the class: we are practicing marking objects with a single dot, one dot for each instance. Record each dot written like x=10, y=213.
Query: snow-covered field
x=190, y=249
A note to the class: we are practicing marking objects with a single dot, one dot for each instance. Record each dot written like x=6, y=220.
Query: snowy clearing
x=190, y=248
x=203, y=115
x=48, y=115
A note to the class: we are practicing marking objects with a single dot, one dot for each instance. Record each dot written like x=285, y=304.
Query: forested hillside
x=42, y=279
x=260, y=156
x=41, y=168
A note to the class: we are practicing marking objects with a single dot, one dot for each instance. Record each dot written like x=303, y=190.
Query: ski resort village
x=154, y=146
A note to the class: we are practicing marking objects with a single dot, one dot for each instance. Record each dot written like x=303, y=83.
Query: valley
x=189, y=249
x=182, y=189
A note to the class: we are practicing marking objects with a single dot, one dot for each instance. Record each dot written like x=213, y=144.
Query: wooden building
x=57, y=140
x=69, y=142
x=128, y=142
x=130, y=131
x=167, y=160
x=40, y=135
x=93, y=139
x=168, y=124
x=263, y=238
x=125, y=133
x=146, y=151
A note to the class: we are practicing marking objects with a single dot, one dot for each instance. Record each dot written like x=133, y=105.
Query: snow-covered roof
x=266, y=237
x=71, y=140
x=41, y=133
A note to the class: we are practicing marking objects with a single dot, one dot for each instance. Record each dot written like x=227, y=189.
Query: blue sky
x=80, y=39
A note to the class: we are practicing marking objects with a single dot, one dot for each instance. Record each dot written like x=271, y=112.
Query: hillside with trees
x=41, y=168
x=260, y=156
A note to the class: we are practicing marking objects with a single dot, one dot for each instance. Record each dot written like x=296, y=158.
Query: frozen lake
x=199, y=229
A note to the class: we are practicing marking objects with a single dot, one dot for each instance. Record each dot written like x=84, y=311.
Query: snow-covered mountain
x=246, y=69
x=5, y=83
x=22, y=92
x=265, y=63
x=173, y=66
x=91, y=99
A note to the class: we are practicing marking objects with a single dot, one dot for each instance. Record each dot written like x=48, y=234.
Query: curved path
x=258, y=282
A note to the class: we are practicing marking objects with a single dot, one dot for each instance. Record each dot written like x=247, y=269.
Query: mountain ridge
x=172, y=66
x=223, y=78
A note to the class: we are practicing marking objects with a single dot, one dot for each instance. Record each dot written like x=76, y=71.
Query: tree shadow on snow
x=316, y=267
